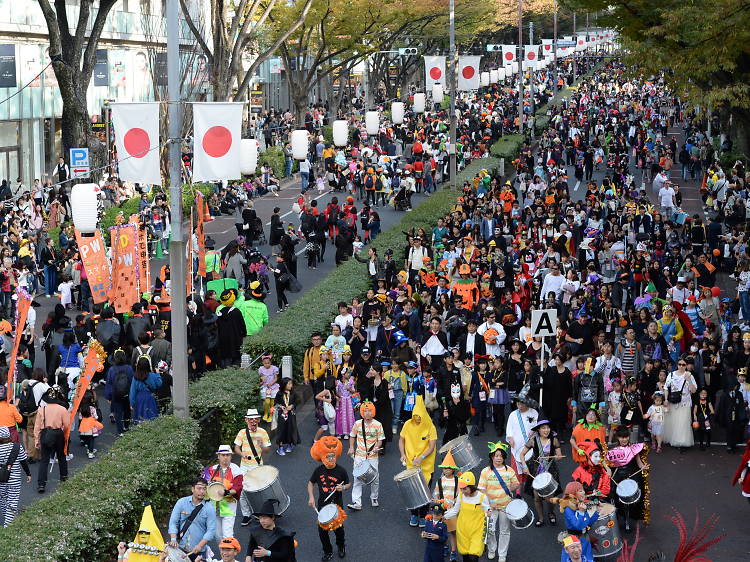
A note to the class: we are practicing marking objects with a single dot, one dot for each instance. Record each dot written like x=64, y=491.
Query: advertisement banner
x=94, y=258
x=8, y=66
x=101, y=68
x=23, y=304
x=92, y=364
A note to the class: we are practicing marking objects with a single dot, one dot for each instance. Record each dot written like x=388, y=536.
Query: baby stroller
x=257, y=234
x=399, y=201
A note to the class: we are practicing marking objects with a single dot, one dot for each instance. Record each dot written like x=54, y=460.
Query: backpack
x=395, y=182
x=368, y=181
x=28, y=404
x=121, y=385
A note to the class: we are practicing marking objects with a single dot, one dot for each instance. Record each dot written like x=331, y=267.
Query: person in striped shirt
x=498, y=481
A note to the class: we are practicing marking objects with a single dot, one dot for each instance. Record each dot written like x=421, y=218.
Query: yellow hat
x=467, y=479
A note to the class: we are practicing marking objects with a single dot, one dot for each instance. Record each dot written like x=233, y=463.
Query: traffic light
x=493, y=48
x=407, y=51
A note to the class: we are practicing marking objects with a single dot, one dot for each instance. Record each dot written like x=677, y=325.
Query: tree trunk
x=739, y=131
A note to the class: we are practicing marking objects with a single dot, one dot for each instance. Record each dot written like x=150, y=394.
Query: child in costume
x=743, y=473
x=577, y=519
x=595, y=477
x=269, y=385
x=655, y=416
x=435, y=534
x=471, y=511
x=446, y=491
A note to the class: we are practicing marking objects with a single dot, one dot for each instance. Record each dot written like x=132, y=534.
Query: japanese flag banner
x=137, y=140
x=217, y=131
x=468, y=73
x=546, y=46
x=434, y=71
x=509, y=54
x=531, y=52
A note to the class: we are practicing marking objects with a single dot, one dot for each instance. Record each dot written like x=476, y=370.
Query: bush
x=274, y=157
x=507, y=147
x=102, y=503
x=327, y=132
x=129, y=207
x=229, y=392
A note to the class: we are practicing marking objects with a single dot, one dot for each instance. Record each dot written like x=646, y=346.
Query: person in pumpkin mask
x=232, y=329
x=367, y=438
x=331, y=480
x=417, y=446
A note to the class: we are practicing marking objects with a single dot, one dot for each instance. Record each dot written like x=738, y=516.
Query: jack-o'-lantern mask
x=367, y=408
x=326, y=450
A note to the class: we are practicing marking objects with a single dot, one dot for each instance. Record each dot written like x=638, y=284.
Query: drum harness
x=364, y=439
x=252, y=447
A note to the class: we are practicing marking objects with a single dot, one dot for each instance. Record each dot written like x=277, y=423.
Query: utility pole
x=532, y=72
x=452, y=69
x=177, y=247
x=554, y=49
x=520, y=66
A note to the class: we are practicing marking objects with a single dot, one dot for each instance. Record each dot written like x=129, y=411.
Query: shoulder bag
x=675, y=396
x=8, y=466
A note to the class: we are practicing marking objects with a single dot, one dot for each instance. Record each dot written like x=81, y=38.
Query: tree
x=702, y=48
x=73, y=57
x=237, y=28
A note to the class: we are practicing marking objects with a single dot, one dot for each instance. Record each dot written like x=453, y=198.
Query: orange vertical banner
x=22, y=311
x=144, y=263
x=92, y=364
x=189, y=257
x=124, y=267
x=200, y=233
x=94, y=257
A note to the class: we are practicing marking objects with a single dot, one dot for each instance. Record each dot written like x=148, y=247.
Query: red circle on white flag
x=468, y=72
x=435, y=73
x=531, y=55
x=508, y=55
x=136, y=142
x=217, y=141
x=547, y=47
x=580, y=41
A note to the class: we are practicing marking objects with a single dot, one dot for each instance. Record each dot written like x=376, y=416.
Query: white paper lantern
x=437, y=93
x=501, y=74
x=514, y=68
x=493, y=76
x=372, y=122
x=340, y=132
x=84, y=201
x=248, y=156
x=299, y=144
x=397, y=112
x=484, y=79
x=419, y=102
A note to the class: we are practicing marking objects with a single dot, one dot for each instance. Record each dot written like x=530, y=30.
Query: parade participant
x=499, y=481
x=231, y=477
x=12, y=460
x=587, y=429
x=367, y=437
x=545, y=452
x=251, y=443
x=679, y=386
x=435, y=534
x=573, y=551
x=326, y=383
x=577, y=519
x=518, y=428
x=148, y=544
x=53, y=421
x=742, y=475
x=287, y=432
x=417, y=447
x=595, y=476
x=732, y=411
x=471, y=510
x=629, y=461
x=192, y=523
x=588, y=390
x=446, y=491
x=231, y=329
x=268, y=542
x=456, y=414
x=331, y=480
x=269, y=385
x=254, y=310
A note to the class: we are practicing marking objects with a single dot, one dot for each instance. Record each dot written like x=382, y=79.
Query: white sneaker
x=375, y=503
x=354, y=506
x=91, y=454
x=69, y=456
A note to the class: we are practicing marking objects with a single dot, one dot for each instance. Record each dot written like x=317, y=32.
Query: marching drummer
x=628, y=460
x=367, y=438
x=230, y=476
x=331, y=480
x=545, y=448
x=446, y=490
x=250, y=444
x=499, y=481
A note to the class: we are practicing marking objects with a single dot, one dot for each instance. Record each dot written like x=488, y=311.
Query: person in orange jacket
x=88, y=428
x=9, y=415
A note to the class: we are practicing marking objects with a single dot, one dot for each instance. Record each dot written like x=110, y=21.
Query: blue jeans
x=305, y=180
x=288, y=167
x=428, y=185
x=121, y=410
x=745, y=305
x=50, y=279
x=396, y=402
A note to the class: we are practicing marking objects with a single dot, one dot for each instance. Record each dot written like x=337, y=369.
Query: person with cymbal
x=230, y=476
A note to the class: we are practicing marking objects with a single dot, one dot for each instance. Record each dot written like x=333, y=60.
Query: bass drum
x=262, y=484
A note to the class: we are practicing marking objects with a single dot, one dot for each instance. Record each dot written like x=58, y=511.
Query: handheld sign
x=543, y=322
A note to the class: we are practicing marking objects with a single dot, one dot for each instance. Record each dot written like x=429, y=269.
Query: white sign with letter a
x=543, y=322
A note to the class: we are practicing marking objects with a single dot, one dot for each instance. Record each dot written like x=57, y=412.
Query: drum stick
x=328, y=497
x=552, y=457
x=631, y=476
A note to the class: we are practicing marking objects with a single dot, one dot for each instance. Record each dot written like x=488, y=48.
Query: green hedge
x=289, y=334
x=507, y=147
x=230, y=392
x=274, y=157
x=102, y=503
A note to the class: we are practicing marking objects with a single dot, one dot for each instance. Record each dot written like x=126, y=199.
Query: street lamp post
x=177, y=247
x=554, y=49
x=452, y=69
x=520, y=66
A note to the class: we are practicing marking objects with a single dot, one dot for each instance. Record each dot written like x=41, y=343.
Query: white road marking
x=578, y=184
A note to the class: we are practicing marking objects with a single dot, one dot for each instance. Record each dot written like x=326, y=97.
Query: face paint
x=596, y=457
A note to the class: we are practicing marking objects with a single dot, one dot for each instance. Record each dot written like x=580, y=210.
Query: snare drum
x=628, y=491
x=365, y=472
x=544, y=484
x=463, y=453
x=519, y=514
x=331, y=517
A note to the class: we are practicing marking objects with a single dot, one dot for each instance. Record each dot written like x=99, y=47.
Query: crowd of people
x=648, y=350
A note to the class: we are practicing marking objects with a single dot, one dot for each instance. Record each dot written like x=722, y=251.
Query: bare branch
x=196, y=33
